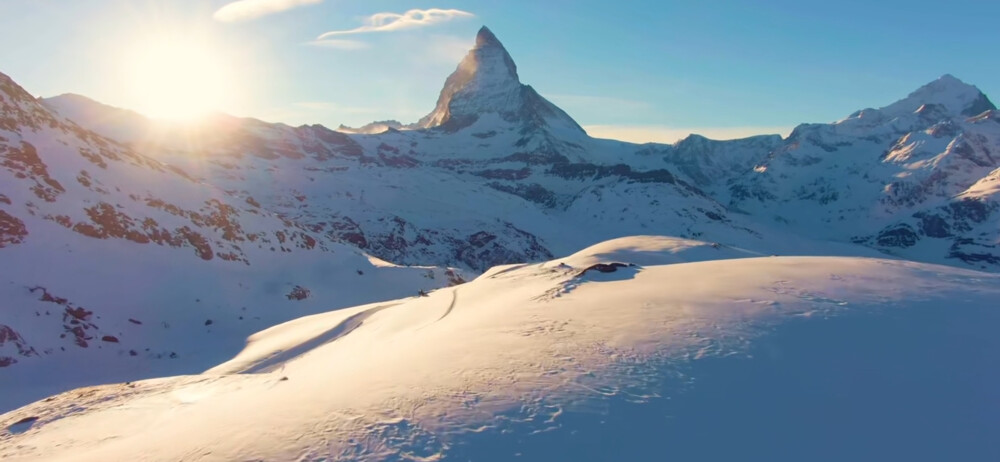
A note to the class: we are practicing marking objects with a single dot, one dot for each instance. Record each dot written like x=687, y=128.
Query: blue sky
x=633, y=69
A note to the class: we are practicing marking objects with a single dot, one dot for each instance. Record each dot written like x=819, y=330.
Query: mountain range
x=136, y=248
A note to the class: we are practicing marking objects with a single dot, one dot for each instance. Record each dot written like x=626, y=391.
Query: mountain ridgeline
x=238, y=213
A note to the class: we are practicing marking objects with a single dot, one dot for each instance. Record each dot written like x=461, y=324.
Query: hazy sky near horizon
x=639, y=70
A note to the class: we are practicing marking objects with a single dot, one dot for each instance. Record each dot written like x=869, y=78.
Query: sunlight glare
x=177, y=78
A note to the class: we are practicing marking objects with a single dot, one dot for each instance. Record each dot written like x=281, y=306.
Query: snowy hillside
x=634, y=349
x=117, y=266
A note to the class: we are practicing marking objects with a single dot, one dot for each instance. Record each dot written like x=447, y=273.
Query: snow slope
x=668, y=356
x=118, y=266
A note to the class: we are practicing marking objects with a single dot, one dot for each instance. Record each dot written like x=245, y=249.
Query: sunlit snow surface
x=694, y=353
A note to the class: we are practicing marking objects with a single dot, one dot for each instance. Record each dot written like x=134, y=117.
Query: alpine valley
x=132, y=248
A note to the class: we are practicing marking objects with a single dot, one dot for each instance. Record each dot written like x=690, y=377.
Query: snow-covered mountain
x=118, y=266
x=135, y=248
x=913, y=178
x=486, y=82
x=501, y=186
x=633, y=349
x=497, y=174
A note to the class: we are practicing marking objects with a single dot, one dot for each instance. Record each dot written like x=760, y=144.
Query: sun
x=177, y=78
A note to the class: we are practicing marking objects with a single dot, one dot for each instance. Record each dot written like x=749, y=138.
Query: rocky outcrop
x=12, y=230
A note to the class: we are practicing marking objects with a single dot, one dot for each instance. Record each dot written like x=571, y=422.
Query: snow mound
x=653, y=250
x=773, y=358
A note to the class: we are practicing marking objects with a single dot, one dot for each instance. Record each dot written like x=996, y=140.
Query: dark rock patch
x=901, y=235
x=297, y=293
x=604, y=268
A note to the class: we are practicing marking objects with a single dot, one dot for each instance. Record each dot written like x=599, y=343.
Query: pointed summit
x=952, y=95
x=486, y=82
x=485, y=37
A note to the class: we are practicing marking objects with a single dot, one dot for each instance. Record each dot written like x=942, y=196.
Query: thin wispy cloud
x=667, y=134
x=245, y=10
x=389, y=22
x=340, y=44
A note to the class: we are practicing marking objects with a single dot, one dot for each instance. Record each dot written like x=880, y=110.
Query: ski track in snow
x=451, y=306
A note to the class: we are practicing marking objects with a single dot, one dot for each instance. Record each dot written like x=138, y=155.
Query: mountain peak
x=485, y=38
x=951, y=93
x=486, y=81
x=948, y=79
x=946, y=84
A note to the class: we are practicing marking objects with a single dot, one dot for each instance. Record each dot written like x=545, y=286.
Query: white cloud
x=665, y=134
x=244, y=10
x=387, y=22
x=340, y=44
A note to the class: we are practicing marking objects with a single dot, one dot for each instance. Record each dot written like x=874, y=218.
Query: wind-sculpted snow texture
x=667, y=356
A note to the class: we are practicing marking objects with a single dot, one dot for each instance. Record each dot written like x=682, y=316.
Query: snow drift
x=641, y=348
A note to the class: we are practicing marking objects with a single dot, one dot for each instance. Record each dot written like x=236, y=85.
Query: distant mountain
x=912, y=178
x=486, y=82
x=498, y=177
x=374, y=127
x=177, y=225
x=112, y=122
